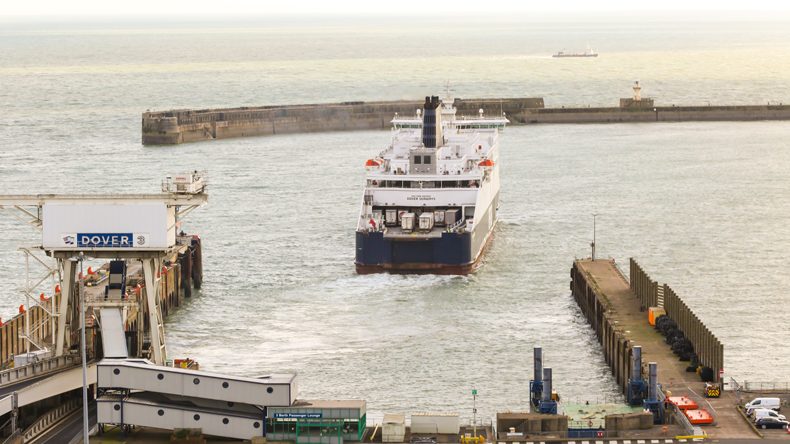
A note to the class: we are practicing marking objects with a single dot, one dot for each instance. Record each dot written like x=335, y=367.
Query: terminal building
x=317, y=422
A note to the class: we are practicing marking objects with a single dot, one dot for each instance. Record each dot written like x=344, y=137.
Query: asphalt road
x=68, y=429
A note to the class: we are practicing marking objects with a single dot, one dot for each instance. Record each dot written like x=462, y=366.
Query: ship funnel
x=637, y=374
x=547, y=384
x=538, y=358
x=432, y=123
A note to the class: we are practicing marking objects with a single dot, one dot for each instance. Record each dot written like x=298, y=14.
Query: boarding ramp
x=113, y=334
x=15, y=375
x=147, y=411
x=47, y=386
x=143, y=375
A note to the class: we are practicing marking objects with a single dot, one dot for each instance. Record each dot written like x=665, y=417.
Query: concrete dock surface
x=632, y=320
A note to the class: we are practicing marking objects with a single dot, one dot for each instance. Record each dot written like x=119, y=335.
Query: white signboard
x=429, y=197
x=112, y=227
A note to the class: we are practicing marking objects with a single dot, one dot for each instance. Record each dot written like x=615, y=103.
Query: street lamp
x=593, y=242
x=82, y=258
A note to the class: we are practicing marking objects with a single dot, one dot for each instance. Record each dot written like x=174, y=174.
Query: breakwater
x=180, y=126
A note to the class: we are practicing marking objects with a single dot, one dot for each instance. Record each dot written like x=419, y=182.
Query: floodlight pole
x=83, y=348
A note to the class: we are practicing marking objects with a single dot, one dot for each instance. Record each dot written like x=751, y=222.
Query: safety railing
x=15, y=374
x=736, y=388
x=50, y=418
x=14, y=438
x=749, y=386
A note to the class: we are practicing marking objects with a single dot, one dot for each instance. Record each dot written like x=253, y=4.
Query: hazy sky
x=400, y=7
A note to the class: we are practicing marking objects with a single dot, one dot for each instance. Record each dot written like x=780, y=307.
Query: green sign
x=474, y=391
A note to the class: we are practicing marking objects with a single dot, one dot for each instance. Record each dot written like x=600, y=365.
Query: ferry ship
x=587, y=53
x=431, y=197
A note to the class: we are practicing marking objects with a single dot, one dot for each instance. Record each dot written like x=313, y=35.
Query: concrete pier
x=621, y=322
x=180, y=126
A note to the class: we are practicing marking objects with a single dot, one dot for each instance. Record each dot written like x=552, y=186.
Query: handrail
x=16, y=374
x=50, y=418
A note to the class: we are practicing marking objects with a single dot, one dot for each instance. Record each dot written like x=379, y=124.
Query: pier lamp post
x=655, y=110
x=593, y=242
x=82, y=258
x=474, y=411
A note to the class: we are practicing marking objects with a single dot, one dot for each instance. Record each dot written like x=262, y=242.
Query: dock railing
x=15, y=374
x=709, y=350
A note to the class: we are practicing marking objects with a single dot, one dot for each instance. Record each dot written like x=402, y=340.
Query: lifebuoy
x=589, y=424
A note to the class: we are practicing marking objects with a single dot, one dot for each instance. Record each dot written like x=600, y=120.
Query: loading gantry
x=115, y=227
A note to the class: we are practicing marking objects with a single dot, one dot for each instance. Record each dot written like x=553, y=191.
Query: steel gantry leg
x=61, y=342
x=150, y=268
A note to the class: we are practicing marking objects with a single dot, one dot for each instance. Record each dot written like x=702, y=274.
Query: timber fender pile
x=707, y=347
x=617, y=350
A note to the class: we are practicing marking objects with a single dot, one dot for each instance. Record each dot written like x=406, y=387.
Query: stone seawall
x=652, y=114
x=180, y=126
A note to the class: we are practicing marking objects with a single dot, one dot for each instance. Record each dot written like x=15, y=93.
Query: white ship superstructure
x=431, y=196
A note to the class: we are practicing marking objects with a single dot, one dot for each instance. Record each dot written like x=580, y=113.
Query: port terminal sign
x=298, y=415
x=104, y=240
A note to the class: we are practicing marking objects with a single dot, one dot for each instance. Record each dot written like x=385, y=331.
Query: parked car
x=767, y=413
x=771, y=423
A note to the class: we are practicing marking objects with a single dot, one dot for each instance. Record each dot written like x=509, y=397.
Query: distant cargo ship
x=587, y=53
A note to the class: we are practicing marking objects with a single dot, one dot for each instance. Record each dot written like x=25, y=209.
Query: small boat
x=589, y=52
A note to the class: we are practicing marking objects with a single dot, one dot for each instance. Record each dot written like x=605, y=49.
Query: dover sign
x=108, y=227
x=105, y=240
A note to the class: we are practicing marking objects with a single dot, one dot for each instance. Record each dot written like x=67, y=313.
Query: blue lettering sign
x=104, y=240
x=298, y=415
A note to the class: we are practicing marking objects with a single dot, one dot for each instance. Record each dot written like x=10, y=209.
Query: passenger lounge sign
x=105, y=240
x=297, y=415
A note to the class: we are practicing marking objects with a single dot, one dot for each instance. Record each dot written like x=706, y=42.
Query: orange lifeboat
x=373, y=164
x=486, y=163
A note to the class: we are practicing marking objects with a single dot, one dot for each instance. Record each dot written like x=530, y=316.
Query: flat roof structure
x=581, y=416
x=317, y=422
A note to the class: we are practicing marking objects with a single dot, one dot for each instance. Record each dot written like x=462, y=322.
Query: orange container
x=699, y=416
x=655, y=312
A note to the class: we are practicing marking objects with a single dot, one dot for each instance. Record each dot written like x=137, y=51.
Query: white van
x=762, y=403
x=767, y=413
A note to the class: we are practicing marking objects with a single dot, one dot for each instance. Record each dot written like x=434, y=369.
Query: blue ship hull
x=452, y=253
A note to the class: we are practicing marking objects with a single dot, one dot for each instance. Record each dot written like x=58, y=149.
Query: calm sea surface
x=702, y=206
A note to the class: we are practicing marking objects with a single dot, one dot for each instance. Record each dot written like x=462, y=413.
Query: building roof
x=394, y=419
x=312, y=404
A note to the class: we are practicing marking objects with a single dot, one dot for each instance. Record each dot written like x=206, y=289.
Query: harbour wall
x=180, y=126
x=653, y=114
x=618, y=332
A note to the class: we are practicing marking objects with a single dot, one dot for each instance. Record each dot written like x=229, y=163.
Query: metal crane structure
x=131, y=227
